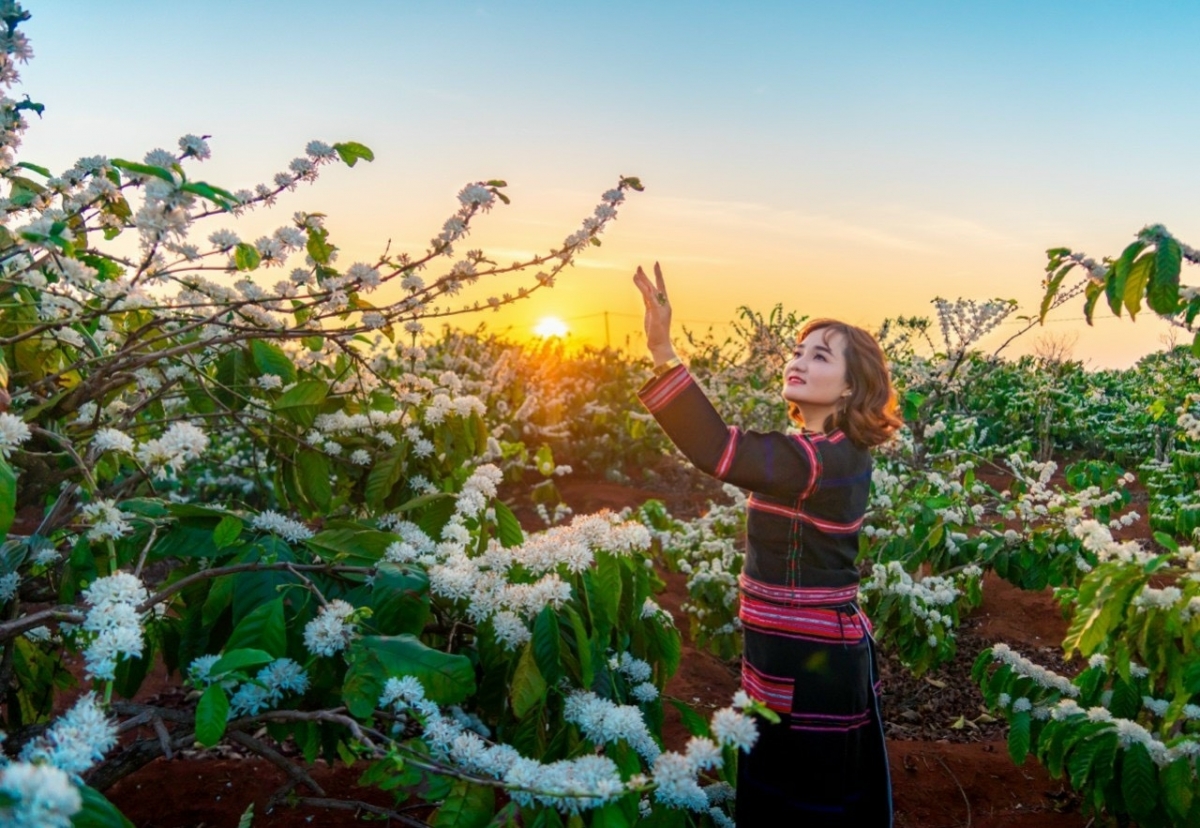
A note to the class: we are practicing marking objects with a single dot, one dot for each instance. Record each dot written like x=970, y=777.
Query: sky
x=849, y=159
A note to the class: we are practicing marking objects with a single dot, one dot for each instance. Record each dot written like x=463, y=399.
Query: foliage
x=274, y=487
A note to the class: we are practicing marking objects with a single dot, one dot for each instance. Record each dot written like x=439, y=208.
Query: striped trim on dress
x=798, y=596
x=672, y=384
x=829, y=527
x=773, y=691
x=807, y=623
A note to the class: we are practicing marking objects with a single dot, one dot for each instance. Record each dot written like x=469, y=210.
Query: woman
x=808, y=652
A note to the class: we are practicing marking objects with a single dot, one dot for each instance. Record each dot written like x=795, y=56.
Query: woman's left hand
x=658, y=314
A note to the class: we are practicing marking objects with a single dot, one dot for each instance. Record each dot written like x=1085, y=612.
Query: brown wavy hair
x=871, y=414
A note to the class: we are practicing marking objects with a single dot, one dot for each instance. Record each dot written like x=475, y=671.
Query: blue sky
x=850, y=159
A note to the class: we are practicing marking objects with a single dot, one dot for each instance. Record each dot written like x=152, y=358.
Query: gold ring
x=662, y=298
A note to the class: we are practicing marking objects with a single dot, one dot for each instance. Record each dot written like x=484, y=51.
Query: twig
x=277, y=759
x=960, y=788
x=205, y=574
x=17, y=626
x=164, y=738
x=137, y=571
x=357, y=805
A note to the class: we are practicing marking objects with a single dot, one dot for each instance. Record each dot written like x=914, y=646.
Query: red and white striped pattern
x=773, y=691
x=798, y=596
x=810, y=623
x=668, y=388
x=814, y=463
x=727, y=455
x=827, y=526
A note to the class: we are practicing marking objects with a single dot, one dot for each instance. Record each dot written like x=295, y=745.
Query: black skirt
x=825, y=763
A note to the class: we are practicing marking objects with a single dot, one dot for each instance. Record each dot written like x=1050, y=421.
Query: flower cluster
x=590, y=780
x=969, y=320
x=43, y=796
x=77, y=739
x=509, y=586
x=330, y=632
x=1040, y=675
x=290, y=530
x=114, y=621
x=13, y=432
x=281, y=676
x=182, y=442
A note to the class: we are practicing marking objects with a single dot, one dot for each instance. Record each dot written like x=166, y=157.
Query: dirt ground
x=944, y=776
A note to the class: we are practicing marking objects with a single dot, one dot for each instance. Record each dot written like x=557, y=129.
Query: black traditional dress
x=808, y=653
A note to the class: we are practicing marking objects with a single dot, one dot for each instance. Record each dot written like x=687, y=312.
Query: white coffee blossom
x=77, y=739
x=43, y=796
x=13, y=432
x=181, y=443
x=111, y=439
x=329, y=632
x=285, y=527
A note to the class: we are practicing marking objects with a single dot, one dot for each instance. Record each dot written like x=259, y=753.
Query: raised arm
x=774, y=463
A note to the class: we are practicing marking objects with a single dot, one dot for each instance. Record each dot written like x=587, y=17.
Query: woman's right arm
x=773, y=463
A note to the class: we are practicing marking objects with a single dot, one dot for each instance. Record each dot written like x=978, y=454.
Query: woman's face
x=815, y=377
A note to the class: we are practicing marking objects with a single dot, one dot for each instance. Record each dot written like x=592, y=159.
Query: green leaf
x=1178, y=788
x=263, y=629
x=1196, y=345
x=143, y=169
x=544, y=458
x=1092, y=291
x=1118, y=273
x=1052, y=286
x=1139, y=277
x=1163, y=292
x=211, y=714
x=245, y=256
x=34, y=167
x=270, y=359
x=247, y=820
x=399, y=599
x=363, y=684
x=696, y=724
x=583, y=648
x=467, y=806
x=227, y=531
x=8, y=497
x=1080, y=761
x=1018, y=736
x=384, y=475
x=318, y=245
x=222, y=198
x=309, y=392
x=546, y=644
x=1139, y=781
x=351, y=151
x=233, y=378
x=240, y=659
x=605, y=599
x=447, y=678
x=507, y=526
x=610, y=816
x=528, y=686
x=312, y=478
x=97, y=812
x=357, y=545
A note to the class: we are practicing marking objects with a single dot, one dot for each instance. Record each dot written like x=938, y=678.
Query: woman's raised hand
x=658, y=313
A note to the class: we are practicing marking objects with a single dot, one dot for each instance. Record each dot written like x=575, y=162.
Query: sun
x=551, y=326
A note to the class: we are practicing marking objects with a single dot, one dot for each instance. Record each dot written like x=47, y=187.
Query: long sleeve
x=773, y=463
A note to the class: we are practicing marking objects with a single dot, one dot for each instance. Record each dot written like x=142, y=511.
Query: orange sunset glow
x=551, y=326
